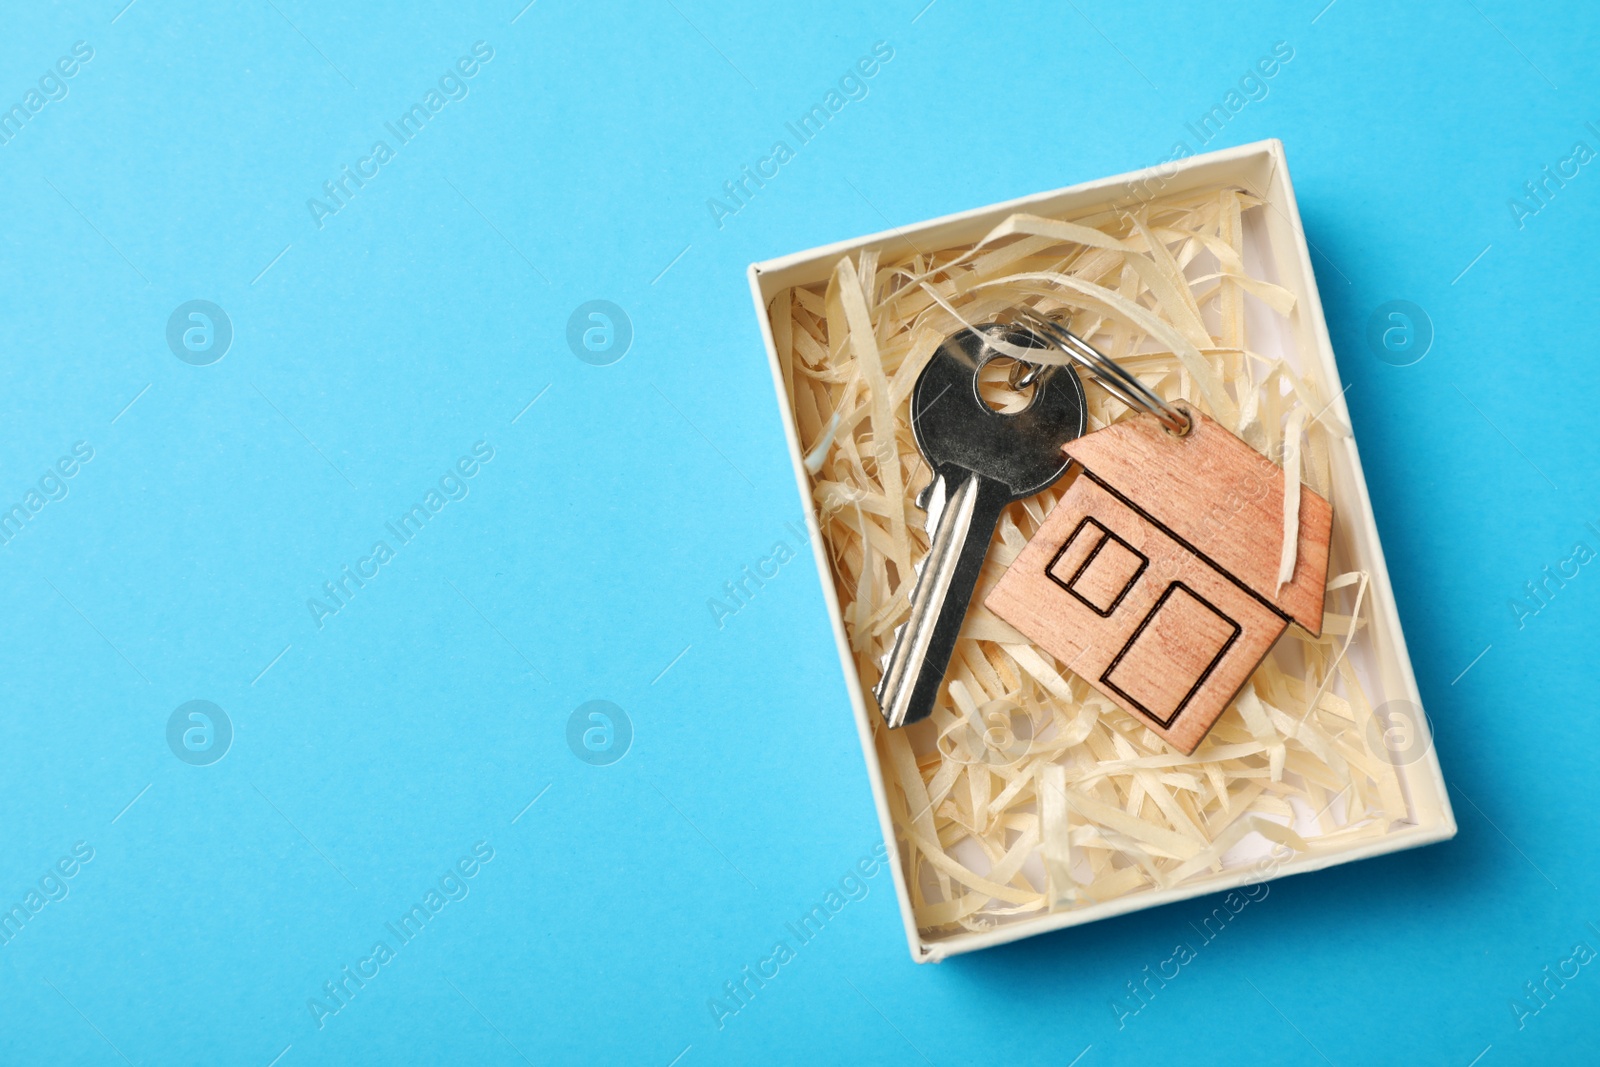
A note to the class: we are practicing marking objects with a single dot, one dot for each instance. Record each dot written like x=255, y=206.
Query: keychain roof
x=1222, y=499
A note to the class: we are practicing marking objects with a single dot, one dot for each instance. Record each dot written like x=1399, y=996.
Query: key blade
x=962, y=517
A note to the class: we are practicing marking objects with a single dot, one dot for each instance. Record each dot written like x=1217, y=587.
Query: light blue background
x=425, y=716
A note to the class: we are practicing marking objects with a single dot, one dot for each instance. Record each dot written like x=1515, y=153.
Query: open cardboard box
x=1275, y=242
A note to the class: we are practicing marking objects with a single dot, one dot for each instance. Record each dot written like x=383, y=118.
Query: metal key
x=982, y=461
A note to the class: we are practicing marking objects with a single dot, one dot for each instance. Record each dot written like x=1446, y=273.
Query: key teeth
x=925, y=495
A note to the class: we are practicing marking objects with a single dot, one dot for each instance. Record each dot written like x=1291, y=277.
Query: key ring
x=1019, y=382
x=1116, y=381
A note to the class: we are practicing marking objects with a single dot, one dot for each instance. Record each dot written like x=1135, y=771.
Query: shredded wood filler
x=1027, y=792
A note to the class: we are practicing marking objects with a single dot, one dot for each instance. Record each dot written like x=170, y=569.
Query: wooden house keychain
x=1155, y=577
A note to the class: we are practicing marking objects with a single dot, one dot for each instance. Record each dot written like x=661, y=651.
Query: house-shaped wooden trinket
x=1155, y=578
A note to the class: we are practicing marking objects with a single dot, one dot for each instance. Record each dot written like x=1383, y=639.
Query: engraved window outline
x=1105, y=534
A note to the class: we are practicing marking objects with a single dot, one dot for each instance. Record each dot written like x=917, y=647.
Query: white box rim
x=1280, y=191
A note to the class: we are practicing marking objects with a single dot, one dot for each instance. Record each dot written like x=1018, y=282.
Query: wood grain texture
x=1223, y=497
x=1126, y=584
